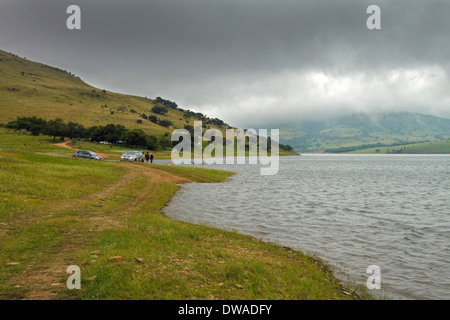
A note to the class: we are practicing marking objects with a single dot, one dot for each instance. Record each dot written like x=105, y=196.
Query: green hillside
x=362, y=131
x=28, y=88
x=435, y=147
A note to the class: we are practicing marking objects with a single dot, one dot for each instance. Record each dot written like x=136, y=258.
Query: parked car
x=86, y=154
x=133, y=156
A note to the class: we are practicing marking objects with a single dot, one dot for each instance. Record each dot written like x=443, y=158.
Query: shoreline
x=107, y=218
x=357, y=290
x=233, y=236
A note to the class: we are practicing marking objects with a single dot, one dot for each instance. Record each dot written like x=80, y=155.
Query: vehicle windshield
x=131, y=152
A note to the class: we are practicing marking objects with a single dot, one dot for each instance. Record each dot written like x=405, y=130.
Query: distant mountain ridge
x=365, y=130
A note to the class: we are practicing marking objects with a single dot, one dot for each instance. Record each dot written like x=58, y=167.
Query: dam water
x=352, y=211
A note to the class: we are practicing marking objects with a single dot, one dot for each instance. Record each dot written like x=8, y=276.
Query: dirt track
x=40, y=282
x=65, y=145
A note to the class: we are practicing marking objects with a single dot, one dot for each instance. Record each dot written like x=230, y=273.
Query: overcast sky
x=253, y=63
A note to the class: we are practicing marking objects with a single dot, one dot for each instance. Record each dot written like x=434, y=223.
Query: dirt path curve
x=65, y=145
x=42, y=281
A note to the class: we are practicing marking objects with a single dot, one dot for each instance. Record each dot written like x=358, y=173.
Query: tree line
x=113, y=133
x=369, y=146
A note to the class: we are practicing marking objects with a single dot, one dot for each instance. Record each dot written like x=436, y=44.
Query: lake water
x=352, y=211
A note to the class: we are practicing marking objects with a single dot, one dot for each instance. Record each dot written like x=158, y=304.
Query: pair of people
x=149, y=157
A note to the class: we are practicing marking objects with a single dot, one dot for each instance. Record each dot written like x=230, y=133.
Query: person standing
x=151, y=157
x=147, y=157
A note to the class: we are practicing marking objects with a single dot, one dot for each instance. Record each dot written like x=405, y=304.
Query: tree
x=153, y=143
x=153, y=118
x=189, y=128
x=33, y=124
x=56, y=128
x=166, y=103
x=159, y=110
x=165, y=142
x=75, y=130
x=159, y=100
x=188, y=114
x=285, y=147
x=95, y=133
x=118, y=132
x=217, y=122
x=165, y=123
x=37, y=129
x=112, y=133
x=135, y=137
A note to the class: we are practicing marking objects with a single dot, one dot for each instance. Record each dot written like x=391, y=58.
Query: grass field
x=56, y=212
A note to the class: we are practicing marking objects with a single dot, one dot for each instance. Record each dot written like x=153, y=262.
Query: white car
x=133, y=156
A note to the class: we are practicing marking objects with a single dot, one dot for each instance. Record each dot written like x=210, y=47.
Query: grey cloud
x=249, y=61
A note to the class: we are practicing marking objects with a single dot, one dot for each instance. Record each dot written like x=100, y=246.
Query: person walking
x=151, y=157
x=147, y=157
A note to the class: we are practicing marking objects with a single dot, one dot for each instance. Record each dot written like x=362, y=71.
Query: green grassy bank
x=56, y=212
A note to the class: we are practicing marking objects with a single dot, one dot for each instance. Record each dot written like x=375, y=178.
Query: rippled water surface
x=353, y=211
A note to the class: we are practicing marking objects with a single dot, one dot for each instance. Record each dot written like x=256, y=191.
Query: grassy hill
x=435, y=147
x=33, y=89
x=361, y=131
x=28, y=88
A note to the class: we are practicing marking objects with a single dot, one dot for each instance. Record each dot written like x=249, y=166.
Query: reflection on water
x=351, y=210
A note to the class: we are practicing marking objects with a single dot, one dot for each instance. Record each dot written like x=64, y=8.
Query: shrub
x=166, y=103
x=165, y=123
x=159, y=110
x=153, y=119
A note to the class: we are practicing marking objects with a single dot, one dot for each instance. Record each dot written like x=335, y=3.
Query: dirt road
x=65, y=145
